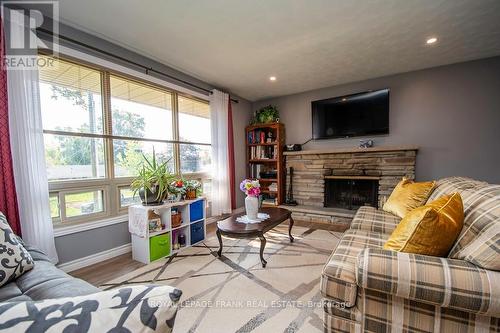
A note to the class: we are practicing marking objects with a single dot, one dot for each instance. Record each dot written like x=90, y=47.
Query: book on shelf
x=259, y=136
x=263, y=152
x=256, y=136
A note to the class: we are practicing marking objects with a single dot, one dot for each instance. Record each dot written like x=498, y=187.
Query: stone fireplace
x=330, y=184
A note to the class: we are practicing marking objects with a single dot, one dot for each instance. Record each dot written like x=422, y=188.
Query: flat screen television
x=353, y=115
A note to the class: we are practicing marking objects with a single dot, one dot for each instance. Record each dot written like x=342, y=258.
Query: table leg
x=262, y=246
x=290, y=225
x=219, y=236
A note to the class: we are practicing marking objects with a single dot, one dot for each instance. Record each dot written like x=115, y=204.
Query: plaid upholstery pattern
x=479, y=241
x=450, y=283
x=453, y=184
x=386, y=313
x=338, y=280
x=374, y=220
x=336, y=324
x=377, y=312
x=338, y=309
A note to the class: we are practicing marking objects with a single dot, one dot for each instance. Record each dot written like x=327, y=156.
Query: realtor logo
x=20, y=20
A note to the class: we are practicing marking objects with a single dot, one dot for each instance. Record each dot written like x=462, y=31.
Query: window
x=140, y=111
x=194, y=120
x=71, y=107
x=127, y=197
x=97, y=126
x=83, y=203
x=194, y=126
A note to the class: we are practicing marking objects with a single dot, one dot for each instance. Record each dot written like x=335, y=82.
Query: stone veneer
x=311, y=166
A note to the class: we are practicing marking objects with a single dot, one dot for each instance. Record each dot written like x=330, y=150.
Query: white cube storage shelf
x=150, y=246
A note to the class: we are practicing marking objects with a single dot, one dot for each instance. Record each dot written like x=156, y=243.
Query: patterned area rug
x=235, y=294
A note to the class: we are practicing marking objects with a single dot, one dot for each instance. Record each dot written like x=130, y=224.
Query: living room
x=233, y=166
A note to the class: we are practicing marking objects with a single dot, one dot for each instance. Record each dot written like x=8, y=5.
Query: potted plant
x=267, y=114
x=152, y=181
x=178, y=188
x=192, y=187
x=252, y=190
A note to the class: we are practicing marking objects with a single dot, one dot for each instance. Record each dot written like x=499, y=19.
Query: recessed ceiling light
x=431, y=40
x=272, y=78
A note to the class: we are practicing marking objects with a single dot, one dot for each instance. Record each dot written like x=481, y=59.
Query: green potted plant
x=267, y=114
x=177, y=187
x=192, y=188
x=152, y=181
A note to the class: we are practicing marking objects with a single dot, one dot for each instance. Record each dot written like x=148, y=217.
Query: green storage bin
x=159, y=246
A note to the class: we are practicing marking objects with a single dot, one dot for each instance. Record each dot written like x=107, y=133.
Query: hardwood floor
x=110, y=269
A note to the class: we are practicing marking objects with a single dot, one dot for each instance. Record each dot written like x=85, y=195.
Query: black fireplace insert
x=350, y=193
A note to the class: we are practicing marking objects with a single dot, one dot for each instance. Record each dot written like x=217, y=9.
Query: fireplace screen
x=351, y=193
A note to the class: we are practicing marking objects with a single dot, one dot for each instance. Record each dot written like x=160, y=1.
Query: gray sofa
x=44, y=281
x=47, y=299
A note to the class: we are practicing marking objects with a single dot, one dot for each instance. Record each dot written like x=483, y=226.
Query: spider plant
x=152, y=180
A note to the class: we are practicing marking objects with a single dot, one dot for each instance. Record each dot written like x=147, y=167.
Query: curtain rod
x=147, y=69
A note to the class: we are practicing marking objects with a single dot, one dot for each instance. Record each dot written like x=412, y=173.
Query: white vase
x=252, y=207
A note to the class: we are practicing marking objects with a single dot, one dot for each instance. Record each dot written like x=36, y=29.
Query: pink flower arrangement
x=250, y=187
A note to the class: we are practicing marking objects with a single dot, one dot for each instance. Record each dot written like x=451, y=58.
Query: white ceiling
x=306, y=44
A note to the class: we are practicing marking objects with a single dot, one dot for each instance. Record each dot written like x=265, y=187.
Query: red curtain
x=8, y=198
x=230, y=142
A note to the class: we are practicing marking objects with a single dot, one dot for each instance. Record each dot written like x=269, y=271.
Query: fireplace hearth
x=351, y=192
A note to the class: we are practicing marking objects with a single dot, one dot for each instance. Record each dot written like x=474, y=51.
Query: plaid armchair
x=368, y=289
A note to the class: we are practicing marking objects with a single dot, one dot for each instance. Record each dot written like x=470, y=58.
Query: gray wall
x=86, y=243
x=451, y=112
x=78, y=245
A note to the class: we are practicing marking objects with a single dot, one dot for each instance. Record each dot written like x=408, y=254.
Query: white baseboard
x=95, y=258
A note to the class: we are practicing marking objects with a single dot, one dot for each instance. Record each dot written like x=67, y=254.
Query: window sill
x=64, y=230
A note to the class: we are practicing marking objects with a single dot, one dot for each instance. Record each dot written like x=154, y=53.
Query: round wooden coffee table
x=234, y=229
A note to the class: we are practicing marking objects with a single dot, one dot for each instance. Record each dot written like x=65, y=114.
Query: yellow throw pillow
x=408, y=195
x=431, y=229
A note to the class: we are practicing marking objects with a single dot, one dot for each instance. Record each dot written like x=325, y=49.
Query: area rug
x=234, y=293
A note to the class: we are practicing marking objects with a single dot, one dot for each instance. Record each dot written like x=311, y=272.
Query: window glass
x=84, y=203
x=128, y=155
x=195, y=158
x=140, y=111
x=70, y=98
x=54, y=206
x=127, y=197
x=194, y=120
x=73, y=157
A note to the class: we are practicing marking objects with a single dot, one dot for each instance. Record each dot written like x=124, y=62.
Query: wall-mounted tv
x=347, y=116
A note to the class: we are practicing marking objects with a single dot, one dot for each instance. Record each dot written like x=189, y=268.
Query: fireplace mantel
x=350, y=150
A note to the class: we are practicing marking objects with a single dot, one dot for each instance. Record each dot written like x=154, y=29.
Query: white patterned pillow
x=15, y=260
x=141, y=308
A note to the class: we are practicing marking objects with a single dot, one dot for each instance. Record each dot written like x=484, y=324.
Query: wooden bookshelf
x=264, y=156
